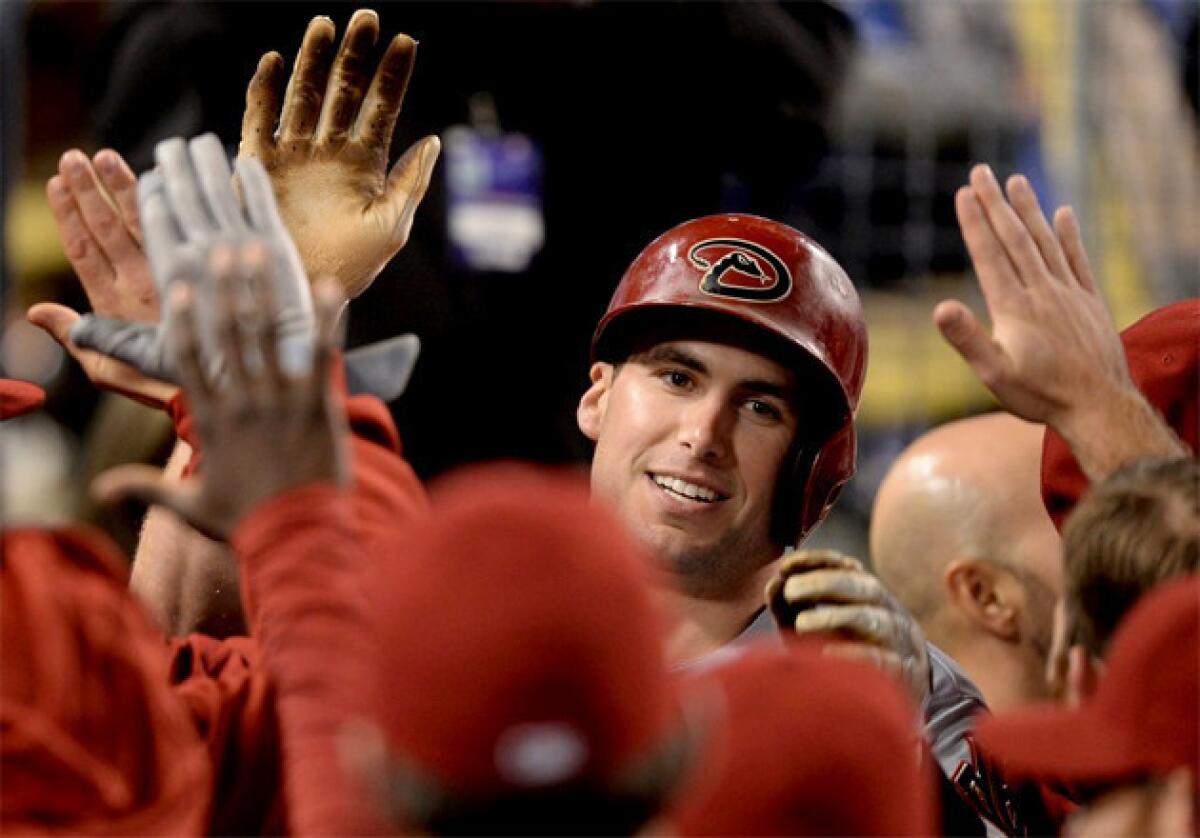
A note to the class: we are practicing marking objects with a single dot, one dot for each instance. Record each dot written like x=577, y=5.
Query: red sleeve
x=233, y=707
x=301, y=563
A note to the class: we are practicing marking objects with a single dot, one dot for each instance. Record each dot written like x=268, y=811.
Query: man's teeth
x=688, y=490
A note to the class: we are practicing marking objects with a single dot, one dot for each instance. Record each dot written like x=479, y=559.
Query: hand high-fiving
x=325, y=144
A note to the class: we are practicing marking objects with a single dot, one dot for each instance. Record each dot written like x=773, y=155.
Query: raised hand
x=823, y=592
x=188, y=207
x=325, y=144
x=94, y=204
x=265, y=426
x=1053, y=341
x=1053, y=355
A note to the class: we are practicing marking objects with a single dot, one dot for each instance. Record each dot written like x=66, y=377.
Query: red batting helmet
x=780, y=291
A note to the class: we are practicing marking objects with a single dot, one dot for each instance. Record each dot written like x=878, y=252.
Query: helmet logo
x=740, y=269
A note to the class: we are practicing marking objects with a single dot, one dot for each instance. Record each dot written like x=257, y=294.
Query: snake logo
x=741, y=270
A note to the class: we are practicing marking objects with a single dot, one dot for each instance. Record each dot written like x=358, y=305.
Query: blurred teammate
x=1132, y=748
x=1136, y=529
x=800, y=743
x=960, y=535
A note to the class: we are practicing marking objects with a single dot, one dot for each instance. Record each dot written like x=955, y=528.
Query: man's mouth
x=684, y=489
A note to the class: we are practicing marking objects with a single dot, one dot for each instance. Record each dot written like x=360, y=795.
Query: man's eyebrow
x=674, y=355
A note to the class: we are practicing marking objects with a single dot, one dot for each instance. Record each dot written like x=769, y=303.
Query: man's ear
x=975, y=589
x=592, y=405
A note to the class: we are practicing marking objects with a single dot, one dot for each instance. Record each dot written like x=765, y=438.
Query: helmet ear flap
x=816, y=480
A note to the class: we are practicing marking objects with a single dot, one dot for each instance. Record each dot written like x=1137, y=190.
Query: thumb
x=145, y=484
x=55, y=320
x=407, y=183
x=962, y=330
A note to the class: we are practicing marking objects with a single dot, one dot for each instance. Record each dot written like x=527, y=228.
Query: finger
x=223, y=268
x=406, y=187
x=1024, y=201
x=258, y=268
x=135, y=344
x=997, y=275
x=834, y=586
x=186, y=352
x=330, y=303
x=306, y=88
x=121, y=184
x=971, y=340
x=803, y=561
x=54, y=319
x=1069, y=234
x=98, y=211
x=261, y=116
x=95, y=272
x=183, y=191
x=883, y=659
x=261, y=208
x=381, y=107
x=866, y=623
x=215, y=176
x=349, y=79
x=162, y=234
x=1018, y=244
x=145, y=484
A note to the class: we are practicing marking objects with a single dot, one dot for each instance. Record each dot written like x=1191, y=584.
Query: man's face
x=690, y=439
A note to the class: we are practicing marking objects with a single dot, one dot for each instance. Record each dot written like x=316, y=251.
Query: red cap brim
x=1077, y=746
x=18, y=397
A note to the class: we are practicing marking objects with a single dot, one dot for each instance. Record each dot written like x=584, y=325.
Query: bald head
x=968, y=489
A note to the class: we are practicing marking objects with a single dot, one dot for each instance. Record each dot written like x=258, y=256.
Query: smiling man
x=726, y=372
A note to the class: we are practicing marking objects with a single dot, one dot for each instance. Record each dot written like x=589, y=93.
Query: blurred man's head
x=1134, y=530
x=1132, y=748
x=960, y=535
x=802, y=743
x=524, y=687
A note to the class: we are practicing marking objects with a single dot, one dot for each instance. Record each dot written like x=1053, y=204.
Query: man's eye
x=766, y=410
x=677, y=379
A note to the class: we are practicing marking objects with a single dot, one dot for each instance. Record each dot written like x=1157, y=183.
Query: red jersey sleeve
x=302, y=564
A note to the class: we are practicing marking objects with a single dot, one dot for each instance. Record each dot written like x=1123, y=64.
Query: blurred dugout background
x=853, y=121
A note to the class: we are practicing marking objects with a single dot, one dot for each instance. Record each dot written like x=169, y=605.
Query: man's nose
x=705, y=428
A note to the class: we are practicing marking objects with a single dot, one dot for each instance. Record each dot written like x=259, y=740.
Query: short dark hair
x=1137, y=528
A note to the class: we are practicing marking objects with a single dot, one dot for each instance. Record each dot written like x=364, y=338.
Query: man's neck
x=1008, y=676
x=701, y=626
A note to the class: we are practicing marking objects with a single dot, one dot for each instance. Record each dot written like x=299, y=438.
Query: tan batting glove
x=824, y=592
x=326, y=149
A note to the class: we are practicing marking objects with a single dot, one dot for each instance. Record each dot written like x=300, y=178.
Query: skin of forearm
x=1117, y=430
x=188, y=582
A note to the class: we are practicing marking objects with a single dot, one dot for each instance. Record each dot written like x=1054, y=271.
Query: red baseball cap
x=1163, y=350
x=94, y=740
x=806, y=744
x=18, y=397
x=522, y=648
x=1144, y=718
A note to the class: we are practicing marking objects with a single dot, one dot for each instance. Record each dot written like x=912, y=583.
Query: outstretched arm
x=324, y=141
x=1053, y=355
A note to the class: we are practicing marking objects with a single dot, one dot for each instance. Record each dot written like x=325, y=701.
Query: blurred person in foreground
x=801, y=743
x=1131, y=748
x=960, y=535
x=95, y=742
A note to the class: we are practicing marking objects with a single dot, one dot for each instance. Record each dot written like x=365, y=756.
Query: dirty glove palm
x=326, y=145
